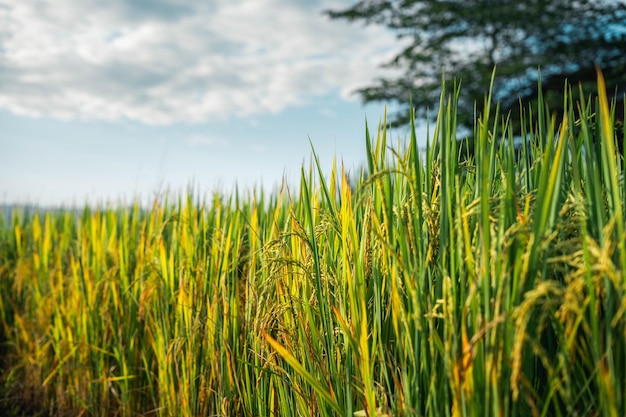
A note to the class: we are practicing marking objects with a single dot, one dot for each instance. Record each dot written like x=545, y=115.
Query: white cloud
x=167, y=61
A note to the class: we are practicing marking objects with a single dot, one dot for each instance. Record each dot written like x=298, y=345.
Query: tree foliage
x=465, y=39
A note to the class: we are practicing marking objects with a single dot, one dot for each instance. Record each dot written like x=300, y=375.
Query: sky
x=113, y=101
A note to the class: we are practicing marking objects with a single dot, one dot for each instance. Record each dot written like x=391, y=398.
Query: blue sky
x=111, y=101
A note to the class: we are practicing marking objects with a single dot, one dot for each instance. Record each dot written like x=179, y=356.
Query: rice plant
x=443, y=284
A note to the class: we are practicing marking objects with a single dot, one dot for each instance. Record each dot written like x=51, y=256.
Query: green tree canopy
x=465, y=39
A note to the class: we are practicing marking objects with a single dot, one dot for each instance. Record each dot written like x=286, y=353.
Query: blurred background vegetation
x=466, y=39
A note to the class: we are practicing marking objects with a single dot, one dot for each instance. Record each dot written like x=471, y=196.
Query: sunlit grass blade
x=289, y=358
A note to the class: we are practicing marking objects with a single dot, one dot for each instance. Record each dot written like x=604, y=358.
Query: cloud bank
x=167, y=61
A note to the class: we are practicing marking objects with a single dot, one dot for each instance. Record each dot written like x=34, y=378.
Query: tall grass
x=442, y=285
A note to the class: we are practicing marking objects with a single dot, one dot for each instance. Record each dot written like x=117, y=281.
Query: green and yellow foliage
x=438, y=286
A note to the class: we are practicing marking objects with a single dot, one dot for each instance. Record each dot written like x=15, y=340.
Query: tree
x=465, y=39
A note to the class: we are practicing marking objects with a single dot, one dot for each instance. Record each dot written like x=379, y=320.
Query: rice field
x=430, y=284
